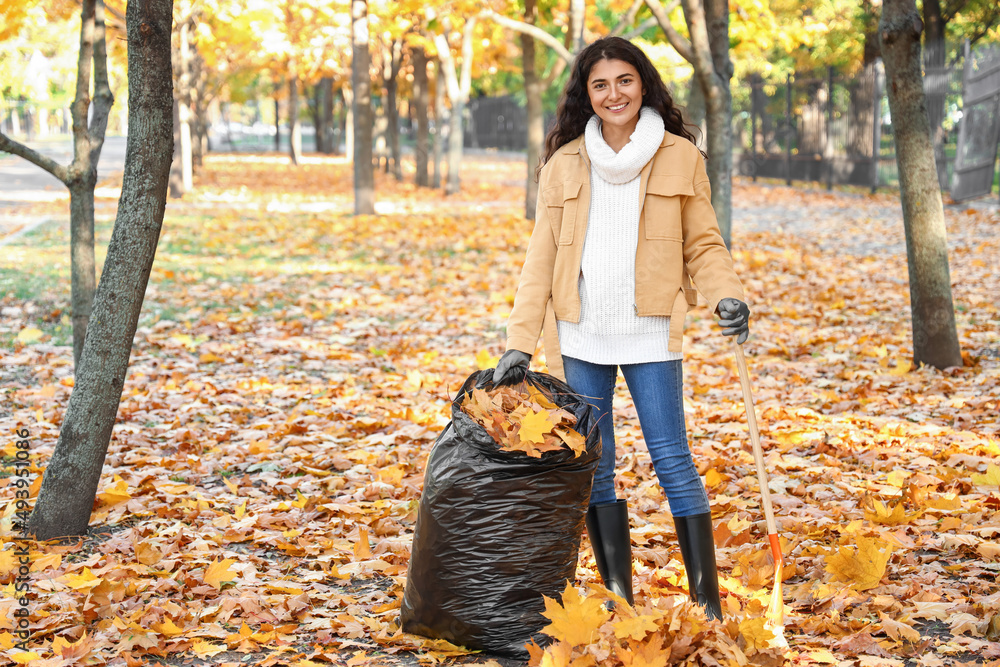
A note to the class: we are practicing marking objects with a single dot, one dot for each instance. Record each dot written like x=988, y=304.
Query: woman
x=624, y=216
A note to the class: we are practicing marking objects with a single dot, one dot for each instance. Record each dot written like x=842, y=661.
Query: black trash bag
x=497, y=530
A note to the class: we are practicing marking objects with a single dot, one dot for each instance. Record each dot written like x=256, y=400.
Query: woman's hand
x=512, y=367
x=735, y=318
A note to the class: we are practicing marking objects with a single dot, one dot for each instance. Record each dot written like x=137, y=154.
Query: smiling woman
x=624, y=217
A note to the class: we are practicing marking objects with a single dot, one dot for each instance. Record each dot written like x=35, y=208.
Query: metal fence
x=837, y=129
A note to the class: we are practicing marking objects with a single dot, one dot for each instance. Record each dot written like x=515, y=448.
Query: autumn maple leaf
x=576, y=620
x=534, y=426
x=862, y=566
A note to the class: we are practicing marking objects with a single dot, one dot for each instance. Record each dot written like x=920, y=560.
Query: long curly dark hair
x=575, y=110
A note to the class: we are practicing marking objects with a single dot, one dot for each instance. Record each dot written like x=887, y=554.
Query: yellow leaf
x=116, y=493
x=898, y=630
x=560, y=654
x=576, y=620
x=636, y=628
x=146, y=553
x=29, y=335
x=362, y=548
x=991, y=478
x=300, y=500
x=46, y=561
x=485, y=360
x=863, y=566
x=534, y=426
x=25, y=657
x=167, y=628
x=233, y=488
x=903, y=367
x=889, y=516
x=8, y=562
x=204, y=649
x=573, y=439
x=756, y=633
x=647, y=654
x=218, y=573
x=207, y=358
x=713, y=478
x=83, y=581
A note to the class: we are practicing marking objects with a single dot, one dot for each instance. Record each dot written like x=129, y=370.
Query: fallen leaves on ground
x=294, y=364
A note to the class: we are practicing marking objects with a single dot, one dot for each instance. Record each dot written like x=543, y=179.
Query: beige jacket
x=678, y=236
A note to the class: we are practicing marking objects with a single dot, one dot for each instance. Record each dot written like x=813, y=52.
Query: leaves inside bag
x=523, y=418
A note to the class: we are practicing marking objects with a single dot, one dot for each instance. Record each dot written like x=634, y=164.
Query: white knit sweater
x=609, y=331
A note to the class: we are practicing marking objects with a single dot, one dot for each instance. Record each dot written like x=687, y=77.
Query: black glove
x=735, y=318
x=512, y=367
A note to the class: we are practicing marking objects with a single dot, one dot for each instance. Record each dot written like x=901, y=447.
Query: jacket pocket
x=665, y=195
x=564, y=201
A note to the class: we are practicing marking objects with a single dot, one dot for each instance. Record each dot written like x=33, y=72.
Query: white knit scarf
x=625, y=165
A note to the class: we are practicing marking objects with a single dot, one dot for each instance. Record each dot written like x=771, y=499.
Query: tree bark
x=420, y=104
x=80, y=177
x=184, y=107
x=935, y=339
x=364, y=171
x=533, y=110
x=348, y=95
x=708, y=25
x=439, y=115
x=458, y=92
x=315, y=102
x=391, y=110
x=71, y=478
x=295, y=128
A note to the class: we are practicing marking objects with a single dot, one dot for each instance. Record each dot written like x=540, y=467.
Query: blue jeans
x=657, y=391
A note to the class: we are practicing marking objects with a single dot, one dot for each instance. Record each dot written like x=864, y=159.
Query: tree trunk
x=348, y=94
x=325, y=104
x=71, y=478
x=184, y=106
x=533, y=111
x=316, y=107
x=81, y=174
x=935, y=340
x=455, y=145
x=439, y=114
x=708, y=25
x=392, y=110
x=295, y=129
x=420, y=103
x=277, y=119
x=364, y=172
x=695, y=110
x=458, y=92
x=82, y=264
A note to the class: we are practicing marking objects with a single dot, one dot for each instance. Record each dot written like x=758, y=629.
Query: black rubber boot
x=607, y=526
x=694, y=533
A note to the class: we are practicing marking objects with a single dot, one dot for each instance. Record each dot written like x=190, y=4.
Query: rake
x=775, y=615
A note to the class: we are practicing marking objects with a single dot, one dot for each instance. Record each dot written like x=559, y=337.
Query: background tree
x=80, y=176
x=70, y=481
x=935, y=340
x=364, y=170
x=458, y=85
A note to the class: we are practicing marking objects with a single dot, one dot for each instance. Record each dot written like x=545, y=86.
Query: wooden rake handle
x=758, y=453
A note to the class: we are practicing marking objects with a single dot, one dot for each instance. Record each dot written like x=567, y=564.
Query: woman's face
x=616, y=94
